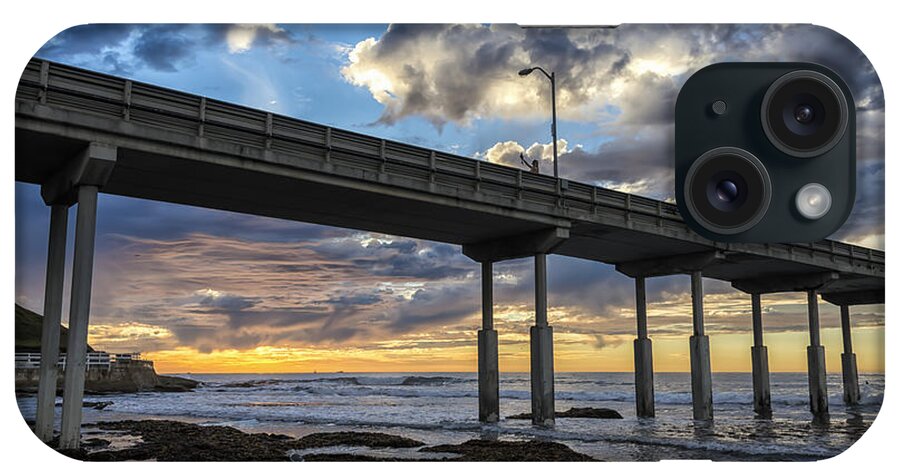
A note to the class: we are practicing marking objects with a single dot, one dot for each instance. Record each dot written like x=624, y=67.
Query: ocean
x=443, y=408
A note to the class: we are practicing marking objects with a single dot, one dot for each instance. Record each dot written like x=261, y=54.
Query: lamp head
x=526, y=71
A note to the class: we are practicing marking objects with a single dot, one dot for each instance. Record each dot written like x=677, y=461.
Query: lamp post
x=552, y=77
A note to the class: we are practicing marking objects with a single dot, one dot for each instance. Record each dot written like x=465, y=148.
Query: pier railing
x=94, y=360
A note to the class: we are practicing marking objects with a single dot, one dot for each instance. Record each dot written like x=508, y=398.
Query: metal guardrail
x=103, y=360
x=69, y=87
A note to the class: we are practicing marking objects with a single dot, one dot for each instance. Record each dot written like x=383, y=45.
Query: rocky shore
x=163, y=440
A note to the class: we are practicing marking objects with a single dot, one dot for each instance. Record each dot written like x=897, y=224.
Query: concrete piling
x=53, y=296
x=848, y=360
x=542, y=393
x=701, y=373
x=818, y=388
x=643, y=356
x=82, y=270
x=759, y=358
x=488, y=368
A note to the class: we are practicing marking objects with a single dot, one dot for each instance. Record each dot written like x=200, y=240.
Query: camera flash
x=813, y=201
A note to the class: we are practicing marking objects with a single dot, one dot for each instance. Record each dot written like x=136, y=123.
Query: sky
x=201, y=290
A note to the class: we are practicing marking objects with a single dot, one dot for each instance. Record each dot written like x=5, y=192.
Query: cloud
x=86, y=39
x=635, y=162
x=164, y=47
x=240, y=38
x=122, y=49
x=602, y=342
x=216, y=292
x=459, y=73
x=435, y=305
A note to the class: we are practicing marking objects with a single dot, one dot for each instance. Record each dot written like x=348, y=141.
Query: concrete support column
x=82, y=270
x=53, y=296
x=815, y=354
x=759, y=358
x=488, y=369
x=542, y=396
x=643, y=355
x=848, y=360
x=701, y=373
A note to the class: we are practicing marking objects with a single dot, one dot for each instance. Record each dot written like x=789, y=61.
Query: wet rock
x=95, y=444
x=164, y=440
x=492, y=450
x=176, y=441
x=170, y=383
x=417, y=380
x=354, y=438
x=575, y=412
x=94, y=405
x=343, y=457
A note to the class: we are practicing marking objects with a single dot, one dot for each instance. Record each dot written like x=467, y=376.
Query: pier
x=80, y=133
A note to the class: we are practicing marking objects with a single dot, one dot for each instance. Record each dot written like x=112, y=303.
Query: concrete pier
x=818, y=388
x=488, y=368
x=643, y=356
x=297, y=170
x=848, y=360
x=53, y=296
x=82, y=270
x=812, y=284
x=701, y=373
x=759, y=358
x=543, y=411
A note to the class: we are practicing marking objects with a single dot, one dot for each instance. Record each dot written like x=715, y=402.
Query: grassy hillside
x=28, y=332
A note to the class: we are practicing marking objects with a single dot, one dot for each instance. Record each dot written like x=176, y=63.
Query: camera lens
x=727, y=190
x=804, y=113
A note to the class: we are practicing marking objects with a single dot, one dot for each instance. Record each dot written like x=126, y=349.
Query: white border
x=28, y=25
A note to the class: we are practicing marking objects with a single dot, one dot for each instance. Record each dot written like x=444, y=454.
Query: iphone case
x=422, y=242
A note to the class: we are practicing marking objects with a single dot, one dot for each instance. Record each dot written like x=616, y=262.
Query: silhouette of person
x=534, y=167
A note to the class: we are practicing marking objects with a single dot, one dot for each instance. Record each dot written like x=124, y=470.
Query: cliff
x=137, y=376
x=28, y=332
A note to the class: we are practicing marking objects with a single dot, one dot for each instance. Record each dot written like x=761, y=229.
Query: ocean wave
x=406, y=381
x=429, y=381
x=448, y=386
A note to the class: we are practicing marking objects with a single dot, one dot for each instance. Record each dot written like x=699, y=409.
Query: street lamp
x=552, y=77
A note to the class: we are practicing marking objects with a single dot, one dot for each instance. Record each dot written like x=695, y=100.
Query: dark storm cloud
x=164, y=47
x=227, y=303
x=122, y=49
x=400, y=257
x=86, y=39
x=432, y=306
